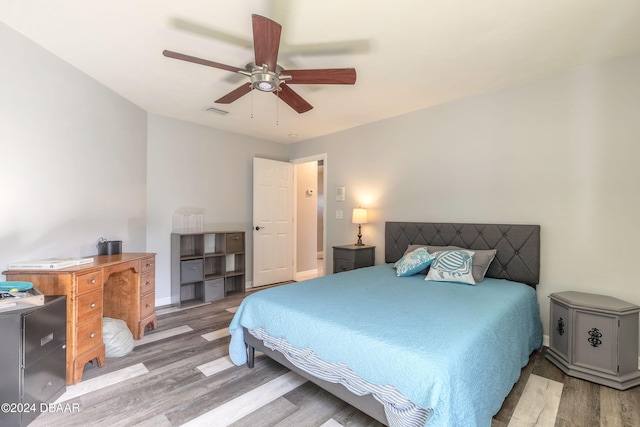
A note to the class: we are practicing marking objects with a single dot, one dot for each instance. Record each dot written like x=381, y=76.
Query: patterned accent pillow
x=482, y=259
x=452, y=266
x=413, y=262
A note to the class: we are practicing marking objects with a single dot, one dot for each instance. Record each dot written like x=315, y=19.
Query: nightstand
x=595, y=337
x=350, y=257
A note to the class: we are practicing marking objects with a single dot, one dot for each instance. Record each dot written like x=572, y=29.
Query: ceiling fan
x=266, y=75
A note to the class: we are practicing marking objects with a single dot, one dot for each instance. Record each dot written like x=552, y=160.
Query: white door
x=272, y=221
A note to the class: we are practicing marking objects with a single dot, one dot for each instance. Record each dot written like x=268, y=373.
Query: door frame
x=308, y=159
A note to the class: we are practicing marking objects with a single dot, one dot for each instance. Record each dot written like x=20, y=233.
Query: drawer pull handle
x=91, y=335
x=93, y=281
x=560, y=327
x=93, y=305
x=47, y=339
x=594, y=337
x=148, y=305
x=149, y=264
x=64, y=346
x=148, y=283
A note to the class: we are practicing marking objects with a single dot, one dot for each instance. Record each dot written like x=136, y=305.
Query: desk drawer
x=89, y=281
x=89, y=335
x=147, y=305
x=89, y=305
x=147, y=282
x=148, y=264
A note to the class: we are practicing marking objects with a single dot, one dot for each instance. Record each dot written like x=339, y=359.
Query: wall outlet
x=339, y=214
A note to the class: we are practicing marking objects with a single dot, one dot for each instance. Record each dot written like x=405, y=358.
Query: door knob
x=258, y=228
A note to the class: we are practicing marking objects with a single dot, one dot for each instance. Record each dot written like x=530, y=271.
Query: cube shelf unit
x=206, y=266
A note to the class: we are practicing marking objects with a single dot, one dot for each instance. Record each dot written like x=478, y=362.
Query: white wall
x=562, y=152
x=195, y=167
x=73, y=158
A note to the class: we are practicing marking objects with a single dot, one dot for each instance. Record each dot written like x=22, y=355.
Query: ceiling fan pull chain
x=277, y=109
x=252, y=104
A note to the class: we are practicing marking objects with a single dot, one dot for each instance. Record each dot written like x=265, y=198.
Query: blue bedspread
x=455, y=348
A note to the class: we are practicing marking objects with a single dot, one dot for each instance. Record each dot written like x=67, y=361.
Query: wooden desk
x=117, y=286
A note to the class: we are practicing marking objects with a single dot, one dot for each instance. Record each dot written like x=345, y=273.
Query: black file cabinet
x=33, y=354
x=350, y=257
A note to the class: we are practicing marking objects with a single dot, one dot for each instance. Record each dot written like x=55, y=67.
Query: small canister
x=109, y=247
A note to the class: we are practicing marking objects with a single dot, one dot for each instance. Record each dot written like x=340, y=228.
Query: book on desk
x=49, y=263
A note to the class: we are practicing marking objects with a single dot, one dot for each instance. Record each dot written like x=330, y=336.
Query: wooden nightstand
x=595, y=337
x=350, y=257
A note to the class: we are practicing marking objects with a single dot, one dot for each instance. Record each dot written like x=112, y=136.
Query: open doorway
x=309, y=184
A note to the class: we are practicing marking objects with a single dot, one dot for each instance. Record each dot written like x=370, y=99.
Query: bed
x=405, y=350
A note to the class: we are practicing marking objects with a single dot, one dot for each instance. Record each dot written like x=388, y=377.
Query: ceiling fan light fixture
x=265, y=82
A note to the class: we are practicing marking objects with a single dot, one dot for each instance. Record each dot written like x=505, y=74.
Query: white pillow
x=117, y=338
x=413, y=262
x=452, y=266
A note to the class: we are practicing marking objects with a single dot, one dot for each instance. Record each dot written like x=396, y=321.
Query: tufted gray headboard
x=517, y=259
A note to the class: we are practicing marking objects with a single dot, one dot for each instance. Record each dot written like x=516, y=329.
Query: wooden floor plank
x=538, y=404
x=580, y=404
x=268, y=415
x=243, y=405
x=315, y=406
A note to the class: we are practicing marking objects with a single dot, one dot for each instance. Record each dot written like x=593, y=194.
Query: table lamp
x=359, y=217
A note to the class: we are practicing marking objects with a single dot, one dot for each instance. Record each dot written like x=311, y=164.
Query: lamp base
x=359, y=242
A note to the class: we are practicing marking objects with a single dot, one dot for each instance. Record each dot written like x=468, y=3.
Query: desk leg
x=150, y=321
x=74, y=375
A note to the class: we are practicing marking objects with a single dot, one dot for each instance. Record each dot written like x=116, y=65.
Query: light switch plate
x=339, y=214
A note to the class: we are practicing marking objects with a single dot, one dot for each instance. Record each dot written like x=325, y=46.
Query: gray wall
x=193, y=167
x=73, y=158
x=562, y=152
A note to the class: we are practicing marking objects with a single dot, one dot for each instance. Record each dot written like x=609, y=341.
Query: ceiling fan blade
x=294, y=100
x=209, y=32
x=235, y=94
x=266, y=41
x=327, y=76
x=183, y=57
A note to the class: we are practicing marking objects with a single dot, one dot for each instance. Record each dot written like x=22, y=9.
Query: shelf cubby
x=206, y=266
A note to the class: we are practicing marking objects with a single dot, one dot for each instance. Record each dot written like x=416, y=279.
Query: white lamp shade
x=359, y=216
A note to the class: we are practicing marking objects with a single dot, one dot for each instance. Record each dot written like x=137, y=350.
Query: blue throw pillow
x=452, y=266
x=413, y=262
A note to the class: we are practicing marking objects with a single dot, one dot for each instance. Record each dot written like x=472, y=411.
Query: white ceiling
x=408, y=54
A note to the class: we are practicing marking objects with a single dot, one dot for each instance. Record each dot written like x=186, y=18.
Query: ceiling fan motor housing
x=265, y=80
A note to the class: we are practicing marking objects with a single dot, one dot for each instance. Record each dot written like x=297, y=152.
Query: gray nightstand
x=350, y=257
x=595, y=337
